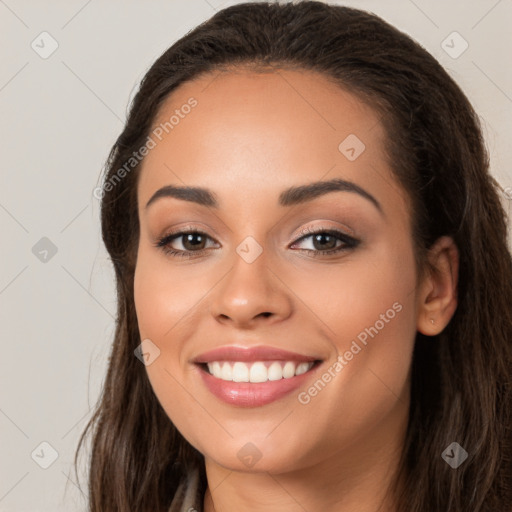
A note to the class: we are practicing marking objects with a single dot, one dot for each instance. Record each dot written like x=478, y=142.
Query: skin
x=251, y=136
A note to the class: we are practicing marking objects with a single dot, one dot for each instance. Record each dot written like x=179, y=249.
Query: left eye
x=325, y=241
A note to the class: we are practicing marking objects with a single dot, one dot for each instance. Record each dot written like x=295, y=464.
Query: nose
x=251, y=294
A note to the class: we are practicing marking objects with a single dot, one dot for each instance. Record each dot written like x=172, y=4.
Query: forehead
x=250, y=132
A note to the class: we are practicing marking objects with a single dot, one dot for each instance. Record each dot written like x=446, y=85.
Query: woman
x=312, y=266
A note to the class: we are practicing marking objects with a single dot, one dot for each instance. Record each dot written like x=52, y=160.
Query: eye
x=327, y=241
x=192, y=241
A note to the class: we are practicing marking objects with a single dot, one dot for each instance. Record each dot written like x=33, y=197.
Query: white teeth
x=275, y=371
x=240, y=372
x=227, y=372
x=302, y=368
x=289, y=370
x=257, y=371
x=216, y=369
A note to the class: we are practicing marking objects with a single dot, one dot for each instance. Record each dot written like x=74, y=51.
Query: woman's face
x=344, y=300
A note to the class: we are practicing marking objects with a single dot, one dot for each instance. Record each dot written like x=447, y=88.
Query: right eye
x=192, y=242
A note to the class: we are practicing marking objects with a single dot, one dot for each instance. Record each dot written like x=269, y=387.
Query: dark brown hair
x=461, y=379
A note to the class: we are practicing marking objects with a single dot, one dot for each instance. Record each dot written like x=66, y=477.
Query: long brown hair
x=461, y=379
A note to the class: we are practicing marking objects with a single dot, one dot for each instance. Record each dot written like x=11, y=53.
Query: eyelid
x=343, y=228
x=182, y=229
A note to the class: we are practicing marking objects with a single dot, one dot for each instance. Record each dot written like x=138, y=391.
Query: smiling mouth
x=257, y=371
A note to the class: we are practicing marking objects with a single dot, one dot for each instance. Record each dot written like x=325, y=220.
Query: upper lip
x=250, y=354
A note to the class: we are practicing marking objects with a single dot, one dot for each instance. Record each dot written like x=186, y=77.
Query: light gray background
x=59, y=118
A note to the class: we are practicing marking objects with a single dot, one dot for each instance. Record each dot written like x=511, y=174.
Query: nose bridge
x=250, y=288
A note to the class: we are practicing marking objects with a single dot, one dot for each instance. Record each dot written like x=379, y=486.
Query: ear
x=437, y=297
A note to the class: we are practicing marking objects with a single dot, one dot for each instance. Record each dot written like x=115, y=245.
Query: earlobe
x=437, y=300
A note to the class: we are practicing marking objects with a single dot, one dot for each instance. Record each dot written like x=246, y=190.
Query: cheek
x=367, y=307
x=163, y=296
x=162, y=303
x=362, y=292
x=164, y=300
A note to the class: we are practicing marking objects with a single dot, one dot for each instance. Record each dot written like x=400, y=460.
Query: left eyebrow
x=304, y=193
x=289, y=197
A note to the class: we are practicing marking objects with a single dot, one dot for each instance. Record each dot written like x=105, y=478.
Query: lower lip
x=247, y=394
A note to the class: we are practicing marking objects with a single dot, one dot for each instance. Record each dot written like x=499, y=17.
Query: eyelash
x=349, y=242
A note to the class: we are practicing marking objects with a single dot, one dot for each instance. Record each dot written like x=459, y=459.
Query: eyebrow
x=289, y=197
